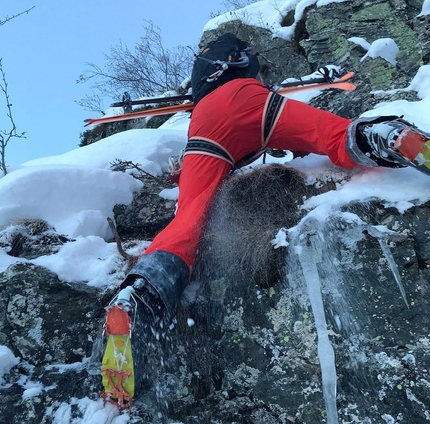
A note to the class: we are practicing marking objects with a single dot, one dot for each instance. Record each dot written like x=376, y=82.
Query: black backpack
x=223, y=60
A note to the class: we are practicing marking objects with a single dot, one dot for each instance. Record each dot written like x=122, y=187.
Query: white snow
x=76, y=192
x=268, y=14
x=88, y=259
x=169, y=193
x=32, y=389
x=280, y=239
x=151, y=149
x=74, y=199
x=421, y=82
x=7, y=362
x=385, y=48
x=426, y=8
x=360, y=41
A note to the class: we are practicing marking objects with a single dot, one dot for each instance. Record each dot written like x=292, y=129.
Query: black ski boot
x=139, y=312
x=133, y=319
x=389, y=141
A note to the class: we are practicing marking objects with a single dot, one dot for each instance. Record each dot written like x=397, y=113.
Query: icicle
x=309, y=251
x=382, y=239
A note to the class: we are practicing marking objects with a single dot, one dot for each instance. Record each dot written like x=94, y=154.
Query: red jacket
x=233, y=121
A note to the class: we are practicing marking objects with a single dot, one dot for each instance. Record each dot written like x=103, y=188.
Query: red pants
x=232, y=116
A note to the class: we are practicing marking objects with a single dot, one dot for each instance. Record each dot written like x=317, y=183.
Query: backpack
x=223, y=60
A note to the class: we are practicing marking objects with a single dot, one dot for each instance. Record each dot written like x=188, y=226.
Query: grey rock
x=51, y=327
x=30, y=238
x=148, y=213
x=251, y=355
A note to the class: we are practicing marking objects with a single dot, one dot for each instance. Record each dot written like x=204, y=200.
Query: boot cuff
x=167, y=273
x=357, y=144
x=352, y=144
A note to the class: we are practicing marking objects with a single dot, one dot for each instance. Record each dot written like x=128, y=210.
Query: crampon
x=414, y=146
x=399, y=141
x=117, y=370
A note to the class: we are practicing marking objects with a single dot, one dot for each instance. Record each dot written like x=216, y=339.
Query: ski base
x=166, y=110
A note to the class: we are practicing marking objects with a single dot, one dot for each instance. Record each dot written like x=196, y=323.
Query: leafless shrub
x=7, y=134
x=93, y=102
x=236, y=4
x=148, y=70
x=249, y=210
x=135, y=168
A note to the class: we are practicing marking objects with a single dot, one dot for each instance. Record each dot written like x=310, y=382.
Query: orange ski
x=340, y=84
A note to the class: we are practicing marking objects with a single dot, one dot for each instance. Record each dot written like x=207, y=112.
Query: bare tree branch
x=148, y=70
x=93, y=102
x=6, y=135
x=121, y=251
x=9, y=18
x=125, y=165
x=237, y=4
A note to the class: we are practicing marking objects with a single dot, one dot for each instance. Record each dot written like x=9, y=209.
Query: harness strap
x=206, y=146
x=272, y=111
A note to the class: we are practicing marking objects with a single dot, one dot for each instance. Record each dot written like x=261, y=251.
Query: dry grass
x=249, y=210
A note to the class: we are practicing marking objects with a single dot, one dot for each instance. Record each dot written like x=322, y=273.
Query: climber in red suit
x=238, y=119
x=232, y=117
x=232, y=123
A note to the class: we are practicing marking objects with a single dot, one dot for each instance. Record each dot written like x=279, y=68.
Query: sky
x=46, y=50
x=79, y=190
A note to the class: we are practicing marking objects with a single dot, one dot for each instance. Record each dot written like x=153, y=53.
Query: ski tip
x=89, y=121
x=346, y=86
x=346, y=76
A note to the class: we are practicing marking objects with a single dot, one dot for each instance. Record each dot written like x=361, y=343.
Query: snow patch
x=169, y=193
x=360, y=41
x=425, y=9
x=7, y=362
x=386, y=48
x=76, y=200
x=280, y=239
x=268, y=14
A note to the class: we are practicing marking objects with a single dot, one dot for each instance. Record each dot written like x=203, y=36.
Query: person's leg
x=200, y=177
x=387, y=141
x=157, y=281
x=167, y=263
x=303, y=128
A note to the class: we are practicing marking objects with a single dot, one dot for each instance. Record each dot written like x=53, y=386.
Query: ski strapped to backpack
x=341, y=83
x=156, y=100
x=327, y=76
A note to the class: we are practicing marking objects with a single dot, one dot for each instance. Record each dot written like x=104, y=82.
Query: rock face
x=149, y=213
x=252, y=354
x=51, y=326
x=244, y=345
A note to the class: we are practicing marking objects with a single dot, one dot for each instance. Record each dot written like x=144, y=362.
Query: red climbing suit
x=232, y=117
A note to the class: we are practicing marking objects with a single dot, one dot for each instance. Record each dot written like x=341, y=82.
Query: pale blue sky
x=45, y=51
